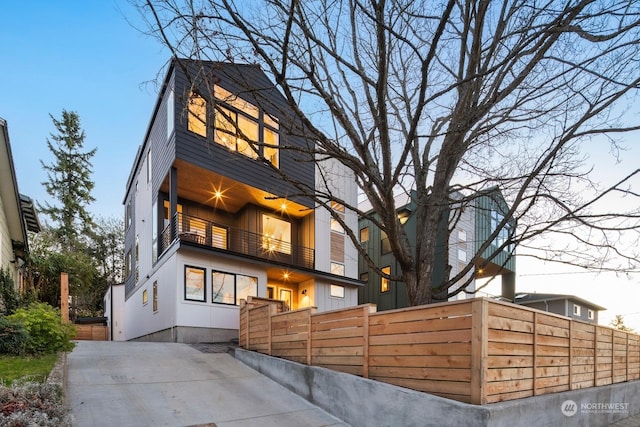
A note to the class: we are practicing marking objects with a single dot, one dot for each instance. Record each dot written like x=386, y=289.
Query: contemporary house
x=215, y=209
x=17, y=214
x=564, y=305
x=473, y=222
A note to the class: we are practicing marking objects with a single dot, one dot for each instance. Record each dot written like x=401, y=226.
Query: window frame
x=366, y=231
x=197, y=117
x=383, y=280
x=337, y=265
x=155, y=296
x=340, y=291
x=236, y=294
x=229, y=111
x=194, y=268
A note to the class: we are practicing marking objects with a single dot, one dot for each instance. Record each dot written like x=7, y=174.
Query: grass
x=16, y=367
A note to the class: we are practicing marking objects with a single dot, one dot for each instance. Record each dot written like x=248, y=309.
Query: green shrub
x=47, y=333
x=9, y=296
x=13, y=337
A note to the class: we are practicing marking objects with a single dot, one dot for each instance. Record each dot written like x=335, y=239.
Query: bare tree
x=445, y=98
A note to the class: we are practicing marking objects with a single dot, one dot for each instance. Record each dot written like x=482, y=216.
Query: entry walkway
x=164, y=384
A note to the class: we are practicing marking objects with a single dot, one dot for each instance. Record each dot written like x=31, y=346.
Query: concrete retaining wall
x=190, y=335
x=363, y=402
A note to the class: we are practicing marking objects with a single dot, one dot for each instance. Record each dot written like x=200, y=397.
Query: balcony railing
x=203, y=233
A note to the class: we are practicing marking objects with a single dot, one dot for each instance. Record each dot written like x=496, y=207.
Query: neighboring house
x=17, y=215
x=210, y=221
x=564, y=305
x=474, y=224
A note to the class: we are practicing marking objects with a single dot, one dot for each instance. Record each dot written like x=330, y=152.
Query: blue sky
x=80, y=56
x=84, y=56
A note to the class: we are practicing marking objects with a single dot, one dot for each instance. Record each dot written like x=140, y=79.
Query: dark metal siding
x=483, y=206
x=204, y=153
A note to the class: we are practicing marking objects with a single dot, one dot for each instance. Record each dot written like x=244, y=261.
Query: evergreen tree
x=618, y=323
x=69, y=181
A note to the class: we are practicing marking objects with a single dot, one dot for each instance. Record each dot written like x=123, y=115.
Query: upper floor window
x=276, y=234
x=384, y=282
x=337, y=268
x=271, y=141
x=336, y=291
x=149, y=165
x=576, y=310
x=590, y=314
x=237, y=127
x=364, y=235
x=385, y=244
x=197, y=121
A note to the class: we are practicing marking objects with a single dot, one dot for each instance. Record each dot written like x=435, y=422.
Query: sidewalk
x=164, y=384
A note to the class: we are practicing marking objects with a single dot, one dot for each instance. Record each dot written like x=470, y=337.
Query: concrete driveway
x=165, y=384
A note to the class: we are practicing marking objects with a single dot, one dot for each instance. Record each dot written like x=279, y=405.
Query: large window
x=237, y=127
x=229, y=288
x=197, y=121
x=276, y=234
x=223, y=287
x=503, y=234
x=194, y=283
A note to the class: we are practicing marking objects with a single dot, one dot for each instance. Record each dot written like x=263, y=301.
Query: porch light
x=217, y=195
x=283, y=206
x=285, y=275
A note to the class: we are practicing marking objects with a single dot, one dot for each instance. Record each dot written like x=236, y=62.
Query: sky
x=89, y=57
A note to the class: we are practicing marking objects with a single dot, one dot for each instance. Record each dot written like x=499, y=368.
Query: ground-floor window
x=155, y=296
x=230, y=288
x=194, y=283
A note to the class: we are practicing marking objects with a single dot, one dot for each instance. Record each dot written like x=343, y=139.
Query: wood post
x=479, y=350
x=570, y=354
x=535, y=353
x=312, y=311
x=595, y=355
x=272, y=310
x=365, y=341
x=64, y=297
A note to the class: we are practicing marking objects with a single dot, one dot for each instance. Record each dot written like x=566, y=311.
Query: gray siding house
x=564, y=305
x=212, y=214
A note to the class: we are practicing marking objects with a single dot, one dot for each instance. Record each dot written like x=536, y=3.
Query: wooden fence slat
x=477, y=351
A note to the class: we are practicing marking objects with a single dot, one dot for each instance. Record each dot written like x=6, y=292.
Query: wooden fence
x=91, y=333
x=477, y=351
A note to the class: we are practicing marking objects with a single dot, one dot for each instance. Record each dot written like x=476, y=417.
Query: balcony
x=206, y=234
